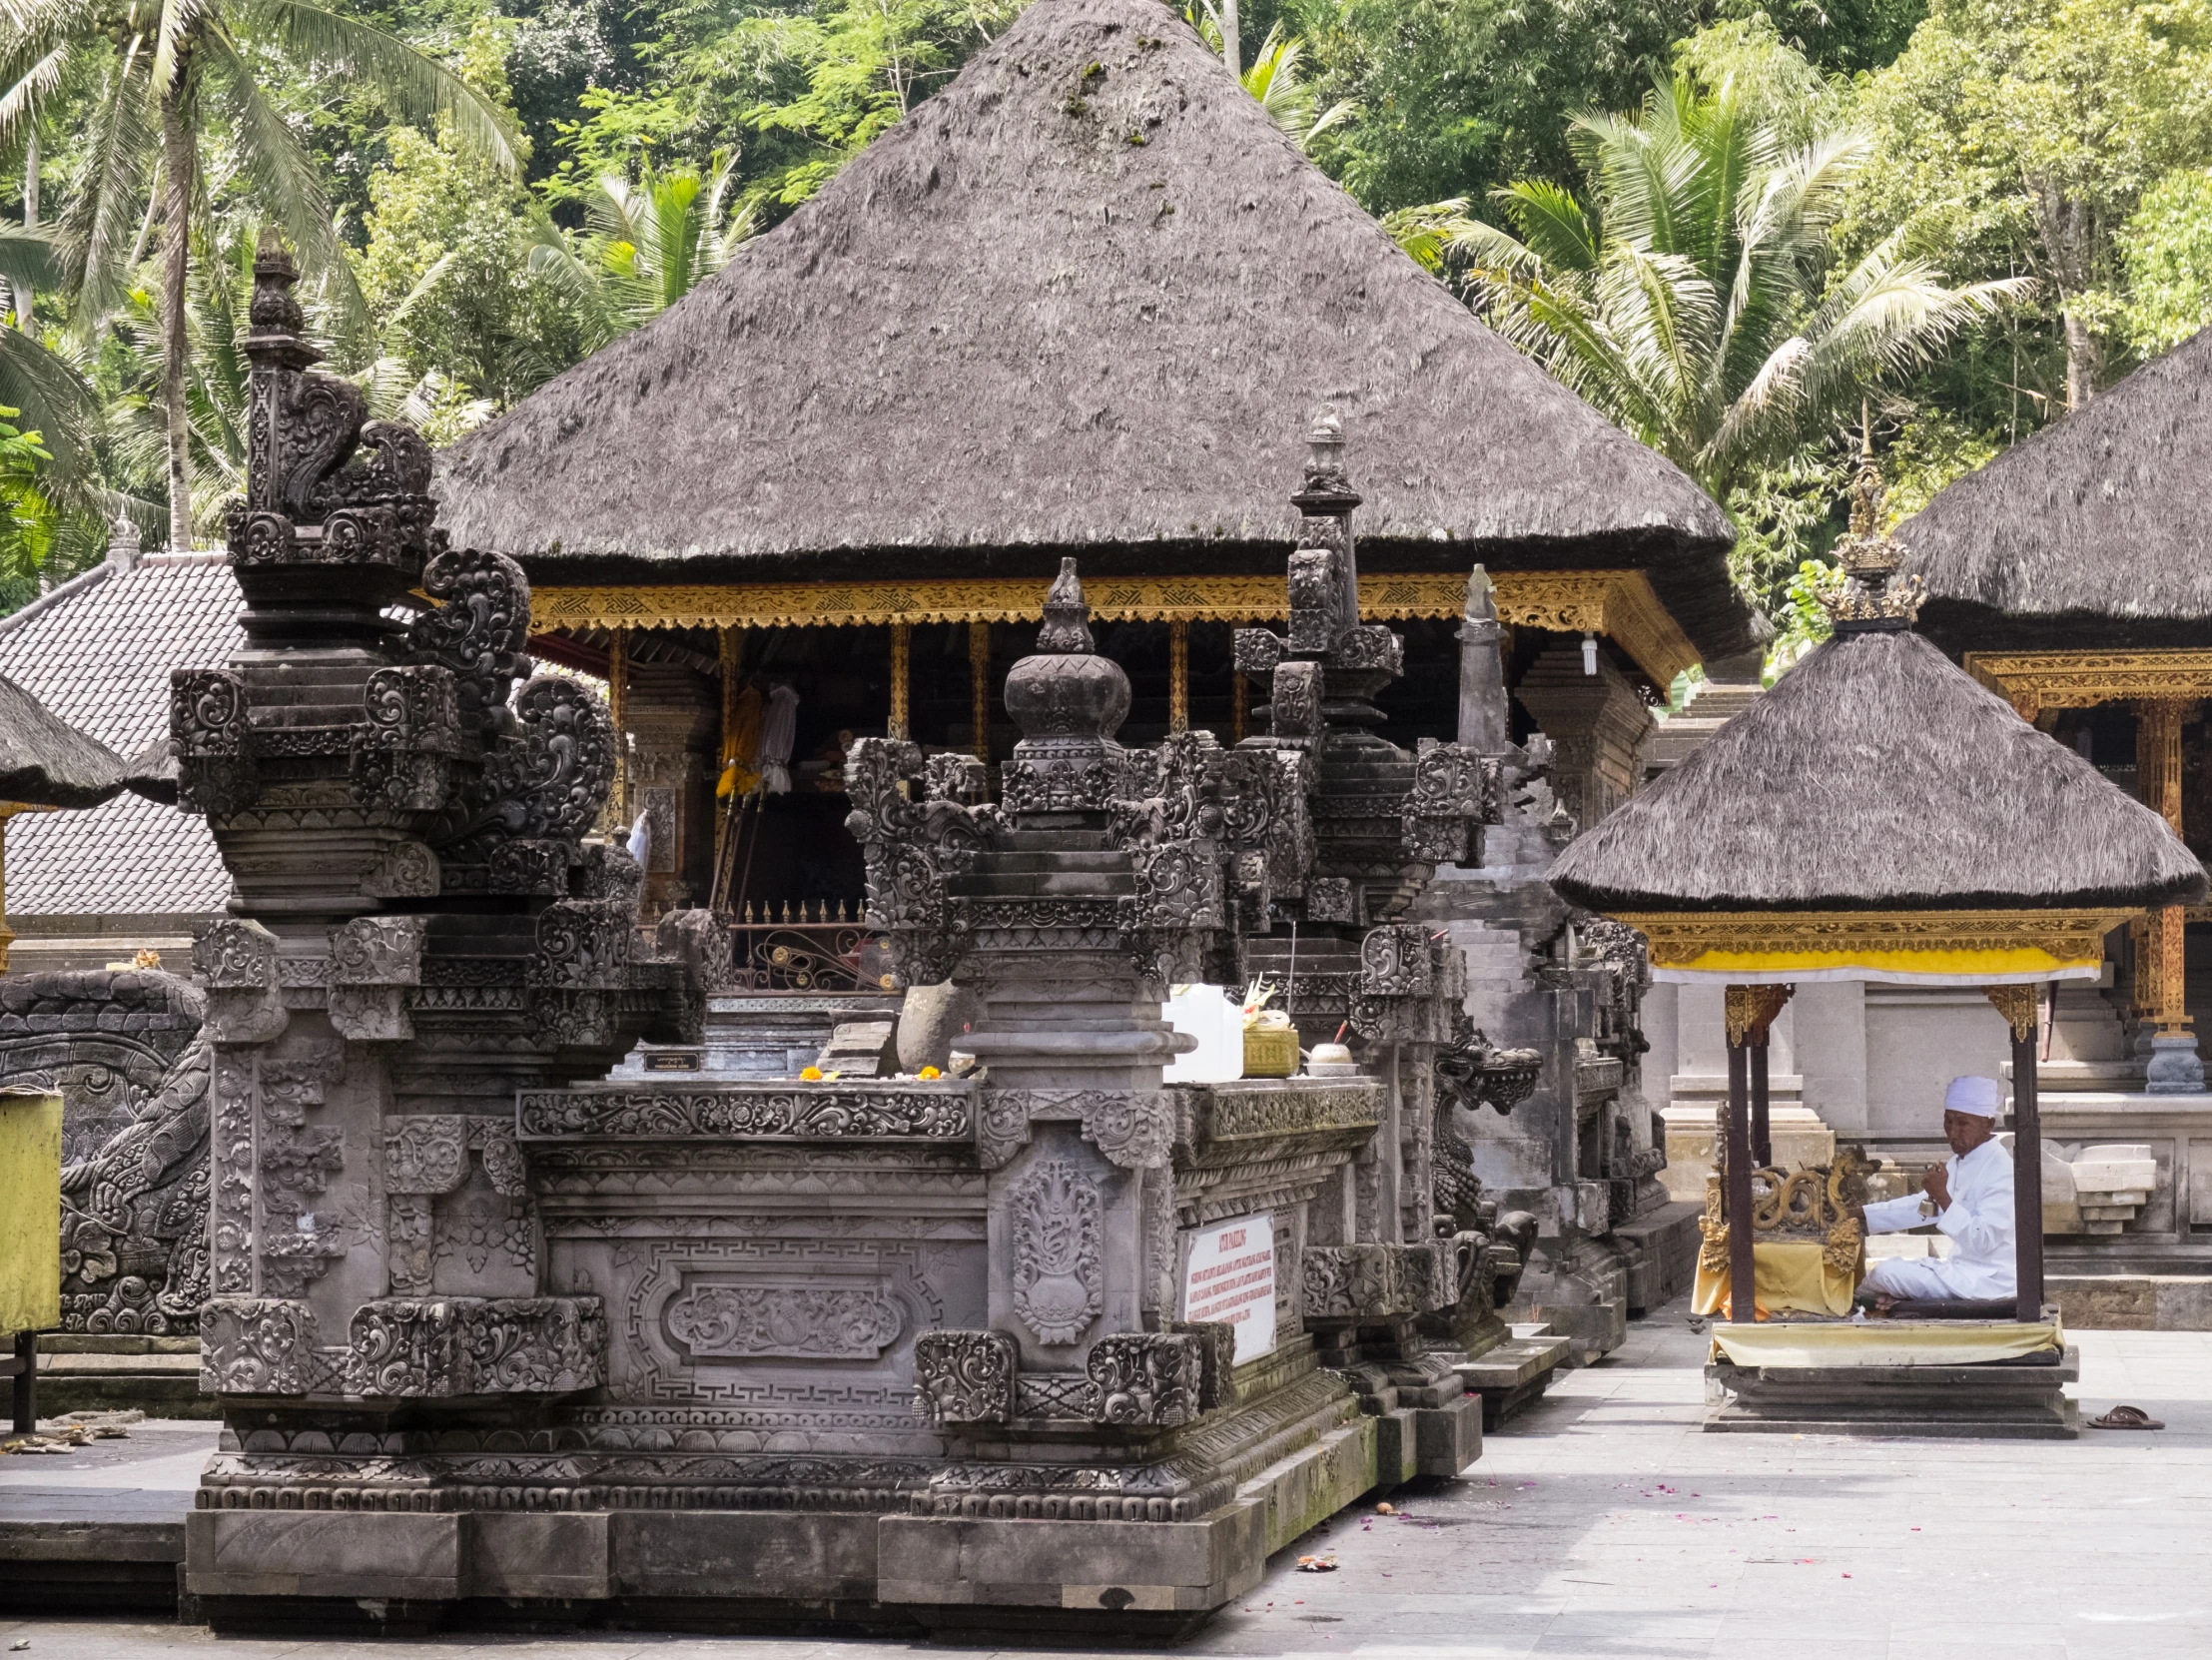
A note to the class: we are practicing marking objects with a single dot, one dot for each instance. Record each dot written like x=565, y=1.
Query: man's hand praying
x=1937, y=1185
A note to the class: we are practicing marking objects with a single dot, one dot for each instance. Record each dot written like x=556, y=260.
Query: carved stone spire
x=1871, y=599
x=1067, y=626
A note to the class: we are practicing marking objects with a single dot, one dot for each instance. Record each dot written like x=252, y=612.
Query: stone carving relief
x=964, y=1377
x=722, y=1321
x=926, y=1113
x=216, y=770
x=1134, y=1128
x=1059, y=1287
x=1146, y=1377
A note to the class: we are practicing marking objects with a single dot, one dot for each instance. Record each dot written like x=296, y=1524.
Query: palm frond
x=110, y=193
x=284, y=175
x=1553, y=226
x=420, y=89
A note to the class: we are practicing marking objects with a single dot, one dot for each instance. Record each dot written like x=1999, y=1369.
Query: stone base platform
x=1661, y=1248
x=951, y=1577
x=159, y=1376
x=2132, y=1302
x=106, y=1567
x=1993, y=1400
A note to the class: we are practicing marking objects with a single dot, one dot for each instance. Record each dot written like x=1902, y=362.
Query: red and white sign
x=1231, y=1276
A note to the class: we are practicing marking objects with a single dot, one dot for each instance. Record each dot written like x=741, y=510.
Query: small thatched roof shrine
x=1879, y=815
x=2094, y=531
x=1875, y=775
x=1084, y=301
x=45, y=761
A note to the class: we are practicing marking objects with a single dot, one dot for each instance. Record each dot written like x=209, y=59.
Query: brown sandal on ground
x=2126, y=1418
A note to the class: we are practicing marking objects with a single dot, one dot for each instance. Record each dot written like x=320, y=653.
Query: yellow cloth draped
x=1885, y=1343
x=1788, y=1277
x=29, y=1202
x=741, y=748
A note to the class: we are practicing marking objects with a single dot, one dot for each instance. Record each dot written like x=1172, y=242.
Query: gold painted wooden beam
x=1617, y=604
x=2032, y=682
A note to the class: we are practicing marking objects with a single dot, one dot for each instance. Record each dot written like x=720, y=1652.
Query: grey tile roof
x=98, y=652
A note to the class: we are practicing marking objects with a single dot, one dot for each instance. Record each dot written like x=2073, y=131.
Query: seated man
x=1968, y=1197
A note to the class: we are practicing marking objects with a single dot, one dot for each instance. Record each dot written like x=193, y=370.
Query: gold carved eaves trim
x=2032, y=682
x=1617, y=604
x=1679, y=938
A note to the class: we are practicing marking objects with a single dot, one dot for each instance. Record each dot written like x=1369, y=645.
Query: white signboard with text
x=1231, y=1276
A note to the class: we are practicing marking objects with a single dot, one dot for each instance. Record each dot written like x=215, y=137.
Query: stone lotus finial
x=1067, y=626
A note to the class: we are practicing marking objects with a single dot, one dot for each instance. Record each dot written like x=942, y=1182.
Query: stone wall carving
x=1146, y=1378
x=1058, y=1289
x=836, y=1112
x=962, y=1377
x=736, y=1321
x=403, y=1348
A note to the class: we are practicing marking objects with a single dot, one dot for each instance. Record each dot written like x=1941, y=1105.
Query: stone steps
x=1513, y=1375
x=159, y=1376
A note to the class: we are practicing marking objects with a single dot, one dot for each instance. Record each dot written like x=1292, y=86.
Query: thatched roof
x=2104, y=517
x=1878, y=775
x=45, y=761
x=1086, y=300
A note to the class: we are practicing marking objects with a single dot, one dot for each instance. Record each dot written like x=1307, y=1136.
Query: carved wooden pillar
x=979, y=686
x=2018, y=1006
x=1178, y=677
x=2162, y=989
x=1735, y=1169
x=8, y=810
x=731, y=641
x=618, y=700
x=902, y=646
x=1745, y=1140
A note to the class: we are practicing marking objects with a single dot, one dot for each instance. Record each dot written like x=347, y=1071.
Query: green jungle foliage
x=1745, y=232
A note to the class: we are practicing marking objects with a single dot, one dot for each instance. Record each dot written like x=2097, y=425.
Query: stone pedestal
x=1992, y=1401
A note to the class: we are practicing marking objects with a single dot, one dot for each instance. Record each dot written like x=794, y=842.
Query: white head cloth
x=1981, y=1097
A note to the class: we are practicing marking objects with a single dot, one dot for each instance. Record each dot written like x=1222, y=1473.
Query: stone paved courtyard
x=1603, y=1524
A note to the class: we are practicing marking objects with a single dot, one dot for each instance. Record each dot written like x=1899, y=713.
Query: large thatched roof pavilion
x=2074, y=575
x=1085, y=301
x=1877, y=816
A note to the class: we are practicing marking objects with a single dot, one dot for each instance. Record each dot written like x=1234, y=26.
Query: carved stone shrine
x=495, y=1326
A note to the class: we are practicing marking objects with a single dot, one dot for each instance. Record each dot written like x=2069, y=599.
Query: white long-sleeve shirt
x=1984, y=1261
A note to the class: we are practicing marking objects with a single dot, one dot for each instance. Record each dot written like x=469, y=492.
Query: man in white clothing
x=1968, y=1197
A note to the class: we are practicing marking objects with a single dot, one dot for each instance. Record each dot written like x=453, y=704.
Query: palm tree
x=168, y=72
x=645, y=246
x=1274, y=80
x=1690, y=294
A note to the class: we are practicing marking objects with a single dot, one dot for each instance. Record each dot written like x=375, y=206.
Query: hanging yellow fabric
x=741, y=748
x=1789, y=1277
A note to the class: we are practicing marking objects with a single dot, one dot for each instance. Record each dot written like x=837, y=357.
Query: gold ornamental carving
x=1617, y=604
x=1752, y=1010
x=2019, y=1005
x=1679, y=938
x=2032, y=682
x=1821, y=1203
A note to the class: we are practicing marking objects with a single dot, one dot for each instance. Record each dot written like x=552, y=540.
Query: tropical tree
x=2023, y=135
x=1690, y=293
x=645, y=245
x=1278, y=80
x=173, y=78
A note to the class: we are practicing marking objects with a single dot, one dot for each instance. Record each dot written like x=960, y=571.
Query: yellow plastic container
x=30, y=1211
x=1271, y=1053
